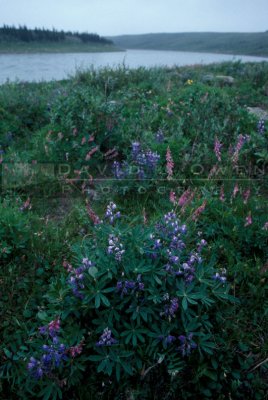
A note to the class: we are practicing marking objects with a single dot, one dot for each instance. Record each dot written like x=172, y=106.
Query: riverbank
x=50, y=47
x=253, y=44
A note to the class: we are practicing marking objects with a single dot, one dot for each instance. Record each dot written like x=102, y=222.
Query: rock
x=222, y=79
x=258, y=112
x=225, y=79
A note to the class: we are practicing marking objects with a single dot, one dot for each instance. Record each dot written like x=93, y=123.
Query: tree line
x=24, y=34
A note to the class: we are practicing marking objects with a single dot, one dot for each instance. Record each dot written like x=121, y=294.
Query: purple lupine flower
x=167, y=340
x=120, y=170
x=220, y=276
x=127, y=287
x=106, y=339
x=111, y=214
x=136, y=148
x=201, y=245
x=261, y=126
x=115, y=247
x=159, y=136
x=217, y=149
x=171, y=308
x=187, y=344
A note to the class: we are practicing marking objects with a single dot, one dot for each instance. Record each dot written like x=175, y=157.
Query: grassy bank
x=133, y=235
x=255, y=44
x=50, y=47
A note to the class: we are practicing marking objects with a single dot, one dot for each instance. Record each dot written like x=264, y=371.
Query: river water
x=46, y=67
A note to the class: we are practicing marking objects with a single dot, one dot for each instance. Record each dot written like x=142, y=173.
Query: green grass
x=65, y=47
x=210, y=42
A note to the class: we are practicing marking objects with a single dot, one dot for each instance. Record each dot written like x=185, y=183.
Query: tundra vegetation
x=133, y=235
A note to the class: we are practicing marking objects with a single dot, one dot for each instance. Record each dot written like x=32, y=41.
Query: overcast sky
x=115, y=17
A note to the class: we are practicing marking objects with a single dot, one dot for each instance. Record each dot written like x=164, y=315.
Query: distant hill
x=211, y=42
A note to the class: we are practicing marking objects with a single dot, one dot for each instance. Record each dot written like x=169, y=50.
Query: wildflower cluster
x=106, y=339
x=52, y=357
x=171, y=247
x=142, y=164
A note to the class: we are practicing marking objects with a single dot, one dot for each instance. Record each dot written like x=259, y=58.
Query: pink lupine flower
x=184, y=199
x=199, y=210
x=238, y=147
x=222, y=195
x=172, y=197
x=213, y=171
x=144, y=216
x=54, y=326
x=83, y=141
x=26, y=205
x=248, y=220
x=170, y=164
x=67, y=266
x=217, y=149
x=76, y=350
x=91, y=152
x=92, y=215
x=235, y=191
x=246, y=195
x=110, y=154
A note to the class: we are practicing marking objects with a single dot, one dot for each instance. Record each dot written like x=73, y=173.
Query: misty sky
x=115, y=17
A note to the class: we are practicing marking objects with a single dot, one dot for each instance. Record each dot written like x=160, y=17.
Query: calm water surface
x=38, y=67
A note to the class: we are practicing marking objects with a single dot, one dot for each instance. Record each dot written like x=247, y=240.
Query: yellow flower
x=190, y=82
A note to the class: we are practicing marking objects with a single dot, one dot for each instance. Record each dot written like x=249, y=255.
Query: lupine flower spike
x=217, y=149
x=170, y=164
